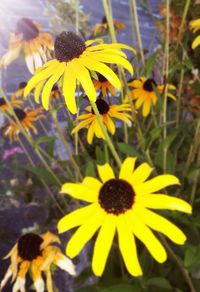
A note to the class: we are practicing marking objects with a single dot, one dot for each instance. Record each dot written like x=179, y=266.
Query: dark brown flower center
x=55, y=87
x=20, y=114
x=102, y=78
x=148, y=85
x=29, y=246
x=22, y=85
x=27, y=28
x=68, y=46
x=116, y=196
x=104, y=20
x=2, y=101
x=103, y=106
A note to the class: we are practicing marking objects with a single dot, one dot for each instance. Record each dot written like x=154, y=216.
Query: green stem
x=109, y=17
x=133, y=35
x=185, y=11
x=137, y=27
x=66, y=146
x=105, y=133
x=166, y=73
x=196, y=180
x=179, y=263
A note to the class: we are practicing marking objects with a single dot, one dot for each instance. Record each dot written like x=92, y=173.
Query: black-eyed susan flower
x=26, y=119
x=28, y=39
x=143, y=92
x=103, y=26
x=122, y=205
x=104, y=85
x=195, y=26
x=107, y=112
x=74, y=59
x=4, y=106
x=55, y=92
x=20, y=91
x=36, y=254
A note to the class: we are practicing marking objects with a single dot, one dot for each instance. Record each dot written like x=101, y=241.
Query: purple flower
x=9, y=152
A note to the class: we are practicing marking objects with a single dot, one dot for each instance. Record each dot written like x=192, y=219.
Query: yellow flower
x=103, y=26
x=13, y=102
x=195, y=26
x=74, y=59
x=35, y=253
x=107, y=112
x=104, y=85
x=27, y=39
x=122, y=205
x=145, y=95
x=26, y=119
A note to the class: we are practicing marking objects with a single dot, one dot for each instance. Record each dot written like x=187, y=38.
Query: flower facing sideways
x=34, y=45
x=36, y=254
x=122, y=205
x=104, y=85
x=103, y=26
x=144, y=94
x=74, y=59
x=26, y=119
x=107, y=113
x=4, y=106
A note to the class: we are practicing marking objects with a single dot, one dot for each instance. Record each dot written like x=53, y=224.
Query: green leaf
x=44, y=139
x=100, y=157
x=90, y=169
x=129, y=150
x=160, y=283
x=192, y=257
x=42, y=174
x=150, y=63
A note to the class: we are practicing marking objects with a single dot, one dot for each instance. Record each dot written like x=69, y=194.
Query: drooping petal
x=127, y=167
x=161, y=224
x=49, y=84
x=80, y=191
x=76, y=218
x=84, y=77
x=65, y=264
x=42, y=74
x=102, y=69
x=128, y=247
x=105, y=172
x=161, y=201
x=144, y=234
x=156, y=184
x=84, y=233
x=103, y=245
x=69, y=87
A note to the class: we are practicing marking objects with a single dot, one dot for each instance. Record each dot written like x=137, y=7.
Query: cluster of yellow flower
x=117, y=204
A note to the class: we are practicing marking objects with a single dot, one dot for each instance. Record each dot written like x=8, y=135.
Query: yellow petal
x=127, y=167
x=161, y=224
x=37, y=90
x=109, y=124
x=103, y=244
x=82, y=74
x=146, y=107
x=160, y=201
x=43, y=73
x=156, y=184
x=144, y=234
x=105, y=172
x=114, y=59
x=102, y=69
x=92, y=183
x=80, y=191
x=49, y=84
x=76, y=218
x=90, y=133
x=141, y=174
x=196, y=42
x=171, y=96
x=84, y=233
x=128, y=247
x=69, y=87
